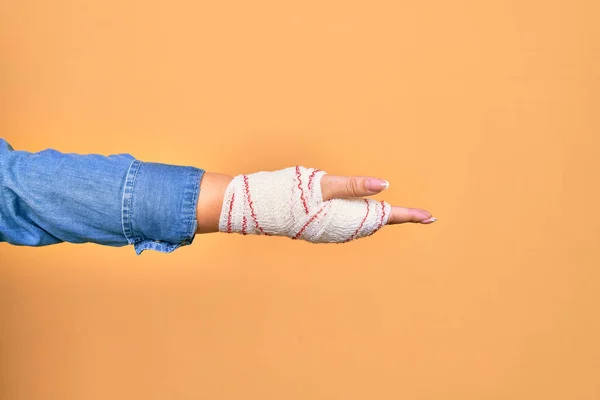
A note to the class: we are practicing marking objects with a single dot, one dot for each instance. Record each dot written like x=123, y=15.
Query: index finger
x=344, y=187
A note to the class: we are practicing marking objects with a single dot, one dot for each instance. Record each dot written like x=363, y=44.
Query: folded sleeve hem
x=159, y=206
x=127, y=200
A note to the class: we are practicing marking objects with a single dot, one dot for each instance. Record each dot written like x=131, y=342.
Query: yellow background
x=486, y=113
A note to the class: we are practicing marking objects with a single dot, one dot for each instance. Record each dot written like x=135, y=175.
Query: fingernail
x=429, y=221
x=376, y=185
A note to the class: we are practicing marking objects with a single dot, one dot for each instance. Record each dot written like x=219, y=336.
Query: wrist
x=210, y=201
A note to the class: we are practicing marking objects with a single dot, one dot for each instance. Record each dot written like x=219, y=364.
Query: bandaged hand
x=307, y=204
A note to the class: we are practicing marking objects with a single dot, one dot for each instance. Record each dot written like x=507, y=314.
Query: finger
x=336, y=187
x=400, y=215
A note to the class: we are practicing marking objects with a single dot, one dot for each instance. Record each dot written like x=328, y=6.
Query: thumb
x=335, y=187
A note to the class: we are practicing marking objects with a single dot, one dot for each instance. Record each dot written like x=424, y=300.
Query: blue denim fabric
x=51, y=197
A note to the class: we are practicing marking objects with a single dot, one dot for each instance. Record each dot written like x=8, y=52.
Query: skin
x=213, y=186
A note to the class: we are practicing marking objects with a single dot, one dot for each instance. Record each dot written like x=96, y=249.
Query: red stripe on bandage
x=247, y=187
x=229, y=214
x=301, y=190
x=311, y=177
x=361, y=224
x=382, y=217
x=301, y=231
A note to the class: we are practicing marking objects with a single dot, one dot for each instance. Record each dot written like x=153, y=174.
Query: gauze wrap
x=289, y=202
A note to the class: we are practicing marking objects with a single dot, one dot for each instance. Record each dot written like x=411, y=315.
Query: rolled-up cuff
x=159, y=205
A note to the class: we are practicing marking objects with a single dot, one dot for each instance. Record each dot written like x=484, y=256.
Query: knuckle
x=353, y=187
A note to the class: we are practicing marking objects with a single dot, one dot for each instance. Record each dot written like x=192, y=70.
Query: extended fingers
x=400, y=215
x=334, y=186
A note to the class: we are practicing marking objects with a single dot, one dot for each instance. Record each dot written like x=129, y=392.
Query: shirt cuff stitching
x=127, y=213
x=197, y=176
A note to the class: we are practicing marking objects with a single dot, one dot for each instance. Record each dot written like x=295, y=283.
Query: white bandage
x=289, y=202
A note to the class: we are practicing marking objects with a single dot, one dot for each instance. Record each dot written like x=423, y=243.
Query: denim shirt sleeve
x=51, y=197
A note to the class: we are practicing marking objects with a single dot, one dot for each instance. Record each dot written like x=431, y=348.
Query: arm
x=50, y=197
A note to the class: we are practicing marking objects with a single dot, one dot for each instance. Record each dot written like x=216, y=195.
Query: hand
x=214, y=185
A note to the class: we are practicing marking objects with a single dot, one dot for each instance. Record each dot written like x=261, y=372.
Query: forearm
x=50, y=197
